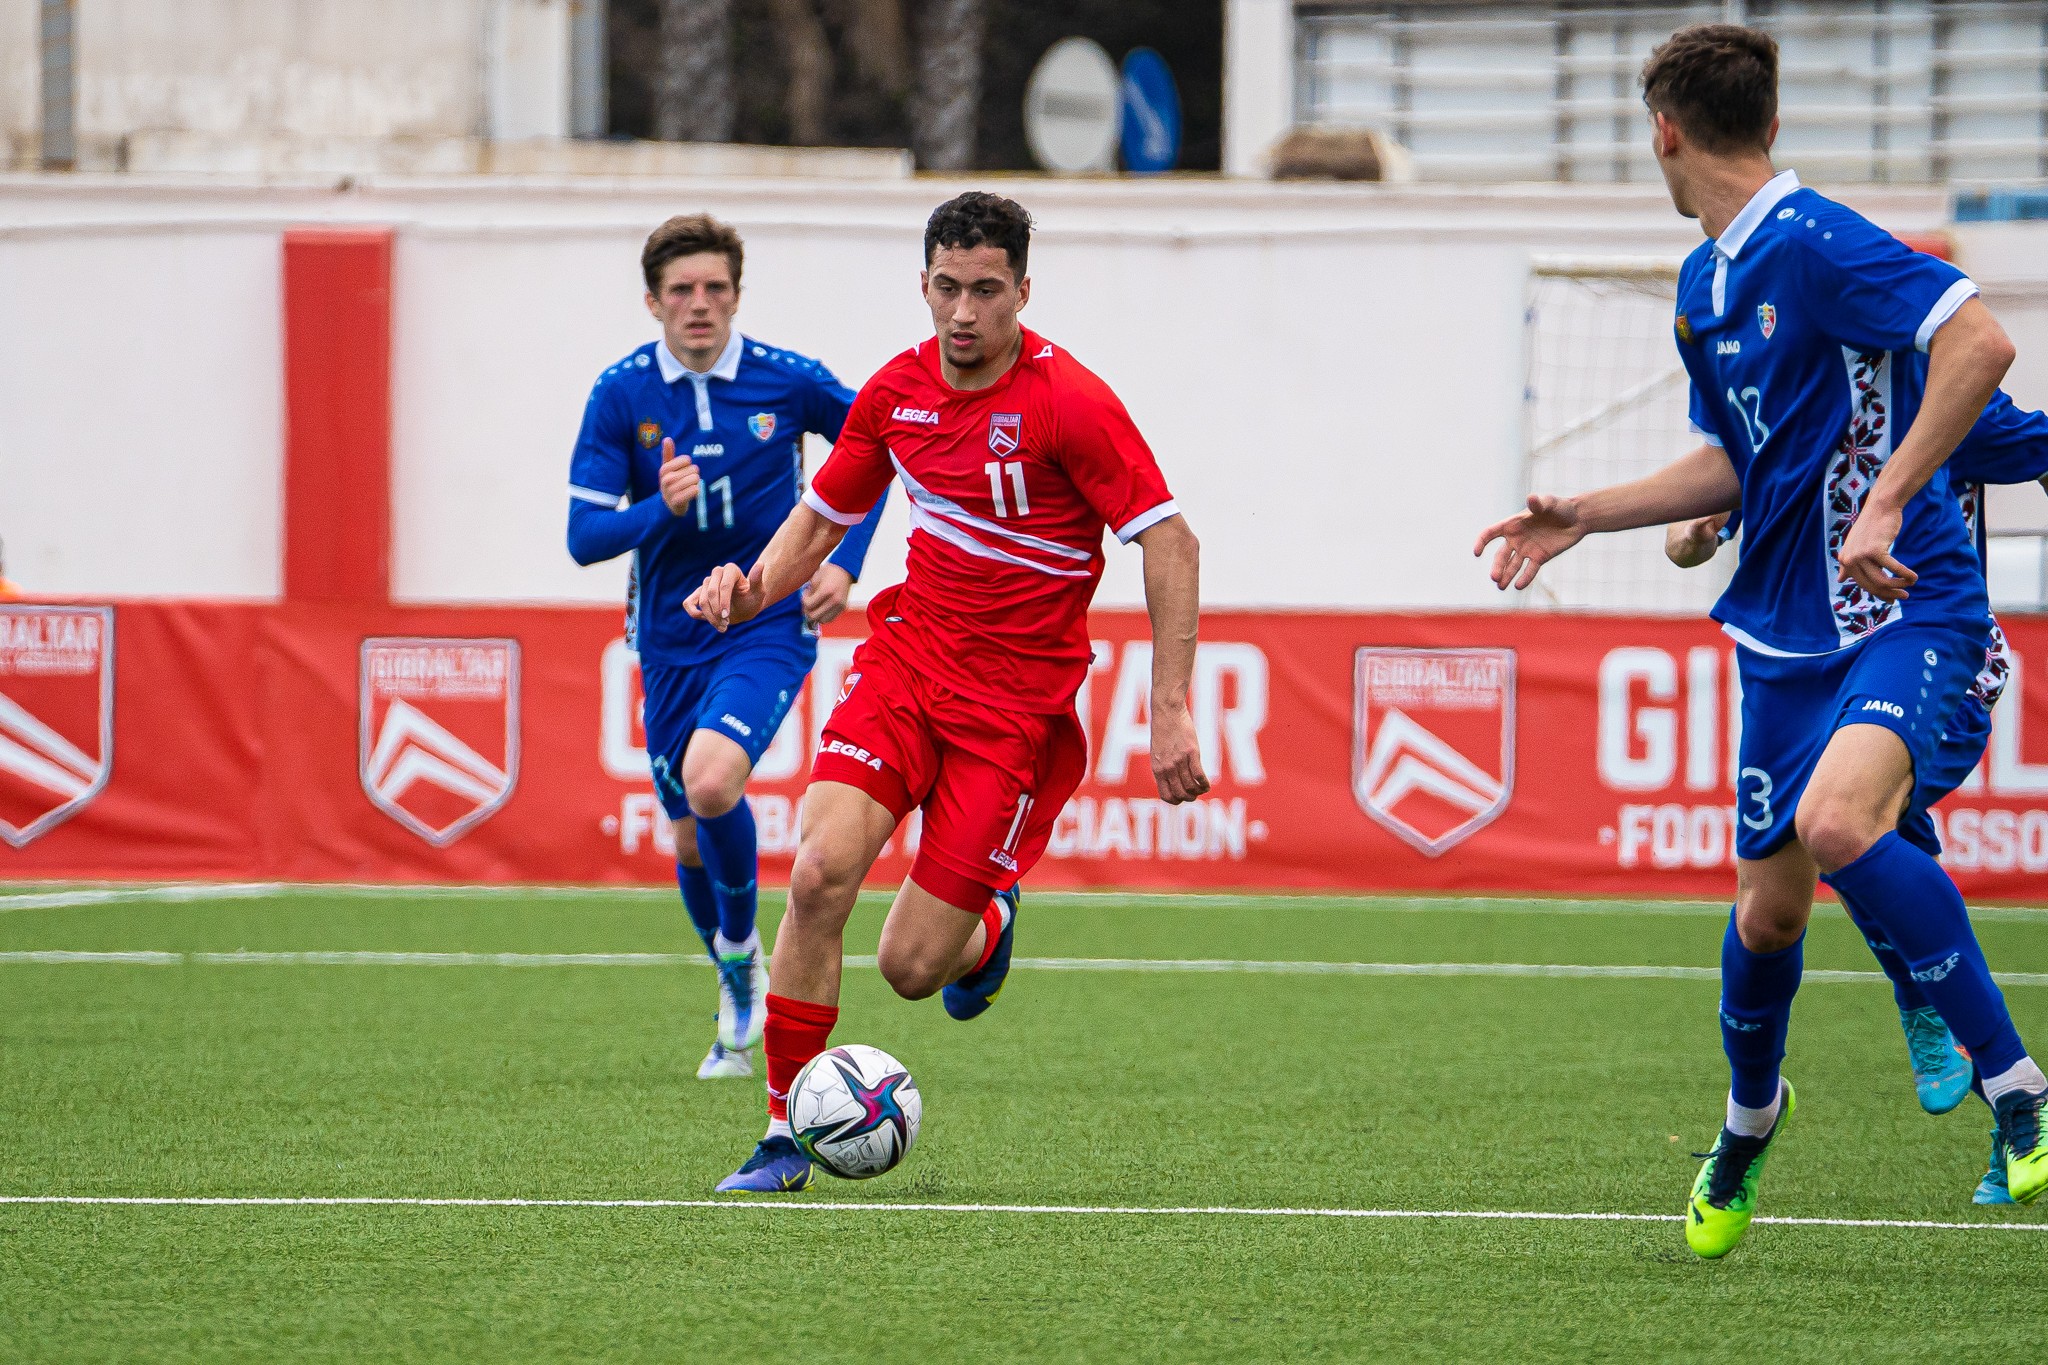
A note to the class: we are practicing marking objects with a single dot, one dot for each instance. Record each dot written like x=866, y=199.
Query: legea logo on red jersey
x=1005, y=431
x=1433, y=756
x=440, y=731
x=56, y=715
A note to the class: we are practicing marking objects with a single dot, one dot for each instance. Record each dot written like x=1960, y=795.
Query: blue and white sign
x=1151, y=114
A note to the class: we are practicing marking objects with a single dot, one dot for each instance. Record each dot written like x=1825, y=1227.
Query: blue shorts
x=743, y=693
x=1912, y=680
x=1962, y=749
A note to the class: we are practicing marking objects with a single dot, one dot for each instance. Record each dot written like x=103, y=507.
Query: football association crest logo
x=1766, y=319
x=1685, y=331
x=56, y=715
x=650, y=435
x=762, y=424
x=440, y=731
x=1005, y=431
x=1433, y=756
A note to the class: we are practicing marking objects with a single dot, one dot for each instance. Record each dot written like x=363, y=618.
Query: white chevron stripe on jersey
x=37, y=754
x=953, y=535
x=412, y=748
x=953, y=511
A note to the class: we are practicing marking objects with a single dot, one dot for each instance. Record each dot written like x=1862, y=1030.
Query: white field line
x=1082, y=1210
x=27, y=896
x=1625, y=972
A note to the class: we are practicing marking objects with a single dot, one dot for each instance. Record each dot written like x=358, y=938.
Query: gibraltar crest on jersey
x=1766, y=319
x=762, y=424
x=56, y=715
x=1005, y=431
x=1433, y=753
x=440, y=731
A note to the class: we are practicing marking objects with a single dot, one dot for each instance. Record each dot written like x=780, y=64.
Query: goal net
x=1604, y=401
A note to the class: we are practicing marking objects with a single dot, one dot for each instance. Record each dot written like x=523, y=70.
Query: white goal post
x=1604, y=401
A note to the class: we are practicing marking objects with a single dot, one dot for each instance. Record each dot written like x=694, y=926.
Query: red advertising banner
x=1495, y=752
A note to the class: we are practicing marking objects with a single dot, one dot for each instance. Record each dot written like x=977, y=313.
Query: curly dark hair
x=1718, y=83
x=686, y=235
x=976, y=219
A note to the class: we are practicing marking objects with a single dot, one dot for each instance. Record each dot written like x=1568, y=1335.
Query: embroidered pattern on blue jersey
x=1861, y=457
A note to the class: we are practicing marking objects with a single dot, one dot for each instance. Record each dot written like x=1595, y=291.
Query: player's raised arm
x=731, y=596
x=1694, y=485
x=1173, y=599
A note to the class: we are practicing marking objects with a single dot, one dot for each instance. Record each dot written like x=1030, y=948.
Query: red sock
x=992, y=931
x=797, y=1031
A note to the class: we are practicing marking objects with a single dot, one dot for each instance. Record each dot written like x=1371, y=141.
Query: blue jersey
x=742, y=423
x=2007, y=445
x=1801, y=328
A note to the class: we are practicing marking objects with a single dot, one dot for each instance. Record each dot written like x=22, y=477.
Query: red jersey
x=1010, y=489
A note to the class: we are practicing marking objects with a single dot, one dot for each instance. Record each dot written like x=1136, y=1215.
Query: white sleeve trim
x=829, y=512
x=596, y=495
x=1146, y=520
x=1958, y=294
x=1709, y=437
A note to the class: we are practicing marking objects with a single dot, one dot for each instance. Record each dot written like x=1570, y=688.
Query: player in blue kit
x=690, y=456
x=2008, y=445
x=1858, y=610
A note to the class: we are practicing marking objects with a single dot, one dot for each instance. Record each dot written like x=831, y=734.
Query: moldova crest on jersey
x=762, y=424
x=1685, y=331
x=1005, y=431
x=1433, y=757
x=650, y=435
x=1767, y=319
x=439, y=731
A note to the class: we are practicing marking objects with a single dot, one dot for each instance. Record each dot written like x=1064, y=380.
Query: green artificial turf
x=1126, y=1089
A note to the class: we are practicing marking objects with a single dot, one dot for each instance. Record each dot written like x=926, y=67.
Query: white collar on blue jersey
x=1730, y=243
x=727, y=368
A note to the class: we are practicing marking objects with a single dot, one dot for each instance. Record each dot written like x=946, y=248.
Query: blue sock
x=1904, y=988
x=700, y=901
x=731, y=857
x=1924, y=917
x=1756, y=1013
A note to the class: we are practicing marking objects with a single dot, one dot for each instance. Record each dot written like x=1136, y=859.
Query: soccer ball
x=854, y=1111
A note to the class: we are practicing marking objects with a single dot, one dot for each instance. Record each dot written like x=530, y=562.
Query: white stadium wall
x=1331, y=376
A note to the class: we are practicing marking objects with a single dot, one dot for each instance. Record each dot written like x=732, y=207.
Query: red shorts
x=990, y=781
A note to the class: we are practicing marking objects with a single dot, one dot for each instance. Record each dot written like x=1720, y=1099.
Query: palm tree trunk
x=948, y=85
x=810, y=70
x=694, y=98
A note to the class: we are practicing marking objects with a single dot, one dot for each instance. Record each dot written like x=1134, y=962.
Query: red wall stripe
x=337, y=389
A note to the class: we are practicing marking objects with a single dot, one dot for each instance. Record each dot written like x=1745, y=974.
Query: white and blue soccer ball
x=854, y=1110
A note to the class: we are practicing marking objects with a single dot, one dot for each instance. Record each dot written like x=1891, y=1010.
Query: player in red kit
x=961, y=703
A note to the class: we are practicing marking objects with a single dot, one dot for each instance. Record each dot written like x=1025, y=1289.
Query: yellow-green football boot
x=2026, y=1154
x=1724, y=1195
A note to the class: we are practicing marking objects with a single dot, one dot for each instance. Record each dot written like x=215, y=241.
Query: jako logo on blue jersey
x=762, y=424
x=922, y=415
x=713, y=448
x=1890, y=708
x=736, y=723
x=1728, y=347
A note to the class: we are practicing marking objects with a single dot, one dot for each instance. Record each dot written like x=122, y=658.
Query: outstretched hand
x=1531, y=539
x=727, y=598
